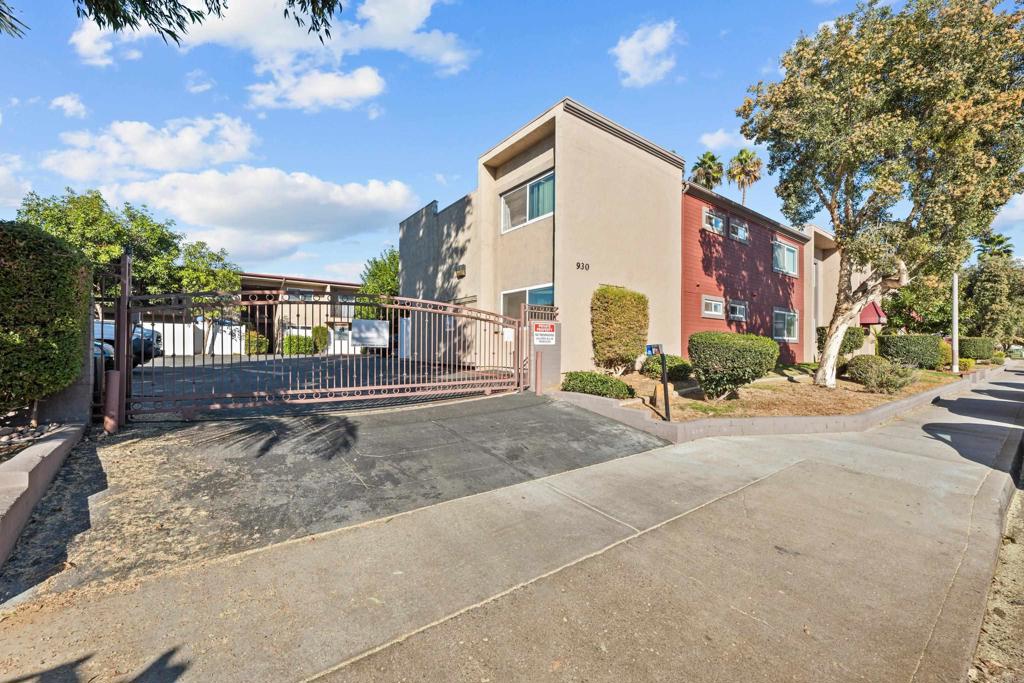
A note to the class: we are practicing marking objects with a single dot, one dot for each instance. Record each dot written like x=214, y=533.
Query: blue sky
x=301, y=158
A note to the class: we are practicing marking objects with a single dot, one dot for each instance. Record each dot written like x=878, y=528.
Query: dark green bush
x=297, y=345
x=45, y=286
x=320, y=338
x=879, y=375
x=916, y=350
x=998, y=357
x=724, y=361
x=618, y=320
x=596, y=383
x=678, y=369
x=853, y=339
x=256, y=343
x=859, y=367
x=978, y=348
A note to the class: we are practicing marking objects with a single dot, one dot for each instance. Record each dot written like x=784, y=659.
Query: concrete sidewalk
x=837, y=557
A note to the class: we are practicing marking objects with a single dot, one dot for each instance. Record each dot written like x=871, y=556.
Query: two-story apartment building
x=572, y=201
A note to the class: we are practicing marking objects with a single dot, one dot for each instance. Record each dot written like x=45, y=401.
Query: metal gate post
x=522, y=375
x=123, y=339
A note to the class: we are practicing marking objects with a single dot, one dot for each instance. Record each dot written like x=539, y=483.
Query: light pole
x=956, y=321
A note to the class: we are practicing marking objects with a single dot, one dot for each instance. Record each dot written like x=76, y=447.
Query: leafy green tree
x=380, y=277
x=708, y=171
x=744, y=170
x=994, y=243
x=994, y=287
x=906, y=129
x=924, y=306
x=162, y=261
x=171, y=19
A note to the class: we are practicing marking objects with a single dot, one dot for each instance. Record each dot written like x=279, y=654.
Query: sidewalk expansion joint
x=497, y=596
x=590, y=507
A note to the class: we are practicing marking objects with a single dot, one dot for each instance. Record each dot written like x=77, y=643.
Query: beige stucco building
x=568, y=202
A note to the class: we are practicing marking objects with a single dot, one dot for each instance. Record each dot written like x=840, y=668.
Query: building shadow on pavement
x=162, y=670
x=61, y=515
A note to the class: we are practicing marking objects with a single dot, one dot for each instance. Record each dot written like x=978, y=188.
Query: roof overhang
x=690, y=187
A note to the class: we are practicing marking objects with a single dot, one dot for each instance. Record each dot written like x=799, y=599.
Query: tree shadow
x=333, y=435
x=993, y=436
x=161, y=670
x=743, y=271
x=62, y=514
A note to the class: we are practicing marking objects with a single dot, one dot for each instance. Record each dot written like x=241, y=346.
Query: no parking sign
x=543, y=334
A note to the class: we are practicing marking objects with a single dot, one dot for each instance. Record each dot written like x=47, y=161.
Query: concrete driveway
x=161, y=495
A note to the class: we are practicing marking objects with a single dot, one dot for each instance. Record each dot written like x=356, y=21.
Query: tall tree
x=171, y=19
x=994, y=243
x=379, y=277
x=707, y=171
x=744, y=170
x=993, y=290
x=906, y=129
x=924, y=306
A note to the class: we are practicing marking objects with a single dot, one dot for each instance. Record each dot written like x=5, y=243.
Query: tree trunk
x=844, y=313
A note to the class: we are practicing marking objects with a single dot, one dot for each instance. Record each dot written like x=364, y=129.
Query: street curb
x=25, y=478
x=691, y=430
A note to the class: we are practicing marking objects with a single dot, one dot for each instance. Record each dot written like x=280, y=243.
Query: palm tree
x=995, y=244
x=707, y=171
x=744, y=170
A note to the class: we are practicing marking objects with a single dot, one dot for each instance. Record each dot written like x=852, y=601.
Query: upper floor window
x=535, y=199
x=784, y=258
x=713, y=221
x=738, y=230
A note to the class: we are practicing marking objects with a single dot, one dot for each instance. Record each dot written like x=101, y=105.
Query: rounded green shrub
x=998, y=357
x=256, y=343
x=45, y=286
x=945, y=354
x=879, y=375
x=978, y=348
x=859, y=367
x=853, y=339
x=618, y=321
x=597, y=384
x=724, y=361
x=297, y=345
x=677, y=368
x=967, y=364
x=321, y=336
x=915, y=350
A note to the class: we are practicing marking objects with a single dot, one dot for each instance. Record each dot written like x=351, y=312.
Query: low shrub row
x=597, y=384
x=914, y=350
x=298, y=345
x=256, y=343
x=978, y=348
x=878, y=374
x=724, y=361
x=677, y=368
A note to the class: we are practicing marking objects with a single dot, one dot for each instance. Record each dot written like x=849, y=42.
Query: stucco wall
x=617, y=213
x=717, y=265
x=432, y=244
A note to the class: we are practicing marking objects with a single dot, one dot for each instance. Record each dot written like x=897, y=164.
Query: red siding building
x=741, y=272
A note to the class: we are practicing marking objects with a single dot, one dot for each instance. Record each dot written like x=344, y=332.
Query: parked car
x=152, y=335
x=101, y=349
x=143, y=349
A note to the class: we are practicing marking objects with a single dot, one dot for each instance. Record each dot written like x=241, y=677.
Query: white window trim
x=501, y=205
x=741, y=302
x=746, y=226
x=718, y=214
x=501, y=297
x=788, y=312
x=796, y=258
x=704, y=312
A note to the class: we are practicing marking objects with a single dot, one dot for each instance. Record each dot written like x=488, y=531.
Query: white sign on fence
x=372, y=333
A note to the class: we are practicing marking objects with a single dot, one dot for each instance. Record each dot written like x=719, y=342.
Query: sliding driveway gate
x=188, y=352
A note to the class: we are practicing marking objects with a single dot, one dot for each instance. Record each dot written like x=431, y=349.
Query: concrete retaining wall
x=25, y=478
x=681, y=432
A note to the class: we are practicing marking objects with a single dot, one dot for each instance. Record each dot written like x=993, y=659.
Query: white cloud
x=70, y=104
x=261, y=213
x=643, y=57
x=196, y=81
x=12, y=186
x=347, y=271
x=93, y=44
x=128, y=149
x=722, y=139
x=132, y=54
x=1012, y=213
x=374, y=112
x=314, y=89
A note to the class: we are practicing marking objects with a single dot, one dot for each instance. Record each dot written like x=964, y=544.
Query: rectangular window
x=737, y=310
x=712, y=307
x=712, y=221
x=539, y=295
x=299, y=294
x=784, y=258
x=784, y=325
x=529, y=202
x=738, y=230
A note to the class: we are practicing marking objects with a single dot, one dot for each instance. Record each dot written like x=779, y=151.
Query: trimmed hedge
x=677, y=368
x=597, y=384
x=256, y=343
x=853, y=339
x=45, y=287
x=320, y=338
x=297, y=345
x=618, y=321
x=916, y=350
x=978, y=348
x=724, y=361
x=879, y=375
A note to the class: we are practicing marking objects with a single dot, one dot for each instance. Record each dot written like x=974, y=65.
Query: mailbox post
x=657, y=350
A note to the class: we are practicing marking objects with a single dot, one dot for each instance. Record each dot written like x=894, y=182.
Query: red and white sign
x=543, y=334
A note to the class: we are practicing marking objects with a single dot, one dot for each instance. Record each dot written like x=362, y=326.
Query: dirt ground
x=1000, y=654
x=779, y=396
